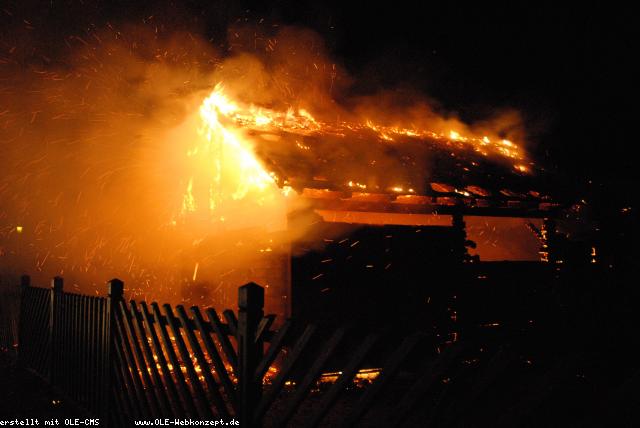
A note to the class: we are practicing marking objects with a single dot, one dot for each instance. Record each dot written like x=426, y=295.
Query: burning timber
x=356, y=166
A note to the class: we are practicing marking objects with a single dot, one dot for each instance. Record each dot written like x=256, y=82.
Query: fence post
x=250, y=350
x=115, y=293
x=57, y=284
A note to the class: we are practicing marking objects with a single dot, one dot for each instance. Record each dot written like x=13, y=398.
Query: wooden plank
x=105, y=356
x=43, y=351
x=223, y=338
x=264, y=326
x=54, y=339
x=311, y=377
x=84, y=341
x=274, y=349
x=347, y=375
x=69, y=351
x=92, y=356
x=190, y=323
x=130, y=363
x=388, y=372
x=57, y=356
x=212, y=385
x=149, y=389
x=37, y=339
x=97, y=356
x=158, y=386
x=110, y=351
x=118, y=394
x=26, y=304
x=78, y=349
x=89, y=353
x=529, y=209
x=232, y=322
x=186, y=359
x=173, y=358
x=168, y=378
x=75, y=354
x=285, y=372
x=64, y=360
x=122, y=407
x=119, y=365
x=220, y=368
x=35, y=315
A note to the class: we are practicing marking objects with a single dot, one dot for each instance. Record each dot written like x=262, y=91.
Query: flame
x=231, y=168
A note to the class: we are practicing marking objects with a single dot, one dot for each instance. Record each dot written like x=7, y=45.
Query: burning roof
x=371, y=167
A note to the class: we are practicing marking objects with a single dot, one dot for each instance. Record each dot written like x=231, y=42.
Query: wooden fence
x=9, y=314
x=129, y=360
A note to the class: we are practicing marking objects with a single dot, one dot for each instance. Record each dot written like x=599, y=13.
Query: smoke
x=95, y=133
x=402, y=107
x=94, y=169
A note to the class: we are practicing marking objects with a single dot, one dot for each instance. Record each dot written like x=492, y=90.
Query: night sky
x=570, y=71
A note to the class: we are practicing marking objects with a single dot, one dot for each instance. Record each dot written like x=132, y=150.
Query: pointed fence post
x=250, y=351
x=57, y=285
x=115, y=290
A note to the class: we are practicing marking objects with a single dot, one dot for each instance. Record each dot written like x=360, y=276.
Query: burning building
x=369, y=207
x=186, y=189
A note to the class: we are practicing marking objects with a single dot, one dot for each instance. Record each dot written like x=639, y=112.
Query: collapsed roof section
x=349, y=169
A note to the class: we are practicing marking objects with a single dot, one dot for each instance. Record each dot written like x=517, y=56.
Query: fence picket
x=263, y=327
x=274, y=348
x=212, y=385
x=84, y=325
x=222, y=337
x=127, y=386
x=386, y=374
x=131, y=366
x=177, y=407
x=232, y=321
x=347, y=375
x=188, y=362
x=218, y=364
x=285, y=371
x=311, y=376
x=168, y=346
x=163, y=400
x=149, y=391
x=120, y=401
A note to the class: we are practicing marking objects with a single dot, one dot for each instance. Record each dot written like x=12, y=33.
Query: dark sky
x=571, y=71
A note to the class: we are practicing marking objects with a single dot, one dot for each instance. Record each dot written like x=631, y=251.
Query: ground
x=24, y=395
